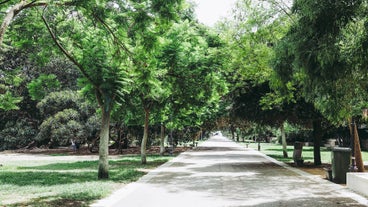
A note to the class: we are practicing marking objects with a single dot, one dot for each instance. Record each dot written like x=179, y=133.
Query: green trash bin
x=341, y=157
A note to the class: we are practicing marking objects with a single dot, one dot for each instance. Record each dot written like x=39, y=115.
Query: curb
x=116, y=196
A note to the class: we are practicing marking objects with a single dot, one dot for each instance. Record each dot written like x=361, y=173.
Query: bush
x=41, y=86
x=58, y=101
x=67, y=117
x=17, y=134
x=61, y=128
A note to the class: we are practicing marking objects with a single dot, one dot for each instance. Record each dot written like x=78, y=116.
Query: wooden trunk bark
x=357, y=151
x=11, y=13
x=145, y=137
x=317, y=130
x=283, y=140
x=103, y=164
x=162, y=140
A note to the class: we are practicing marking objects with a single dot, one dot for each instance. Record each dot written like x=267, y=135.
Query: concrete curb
x=127, y=189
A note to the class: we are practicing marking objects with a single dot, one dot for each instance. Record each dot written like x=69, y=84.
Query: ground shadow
x=57, y=201
x=75, y=172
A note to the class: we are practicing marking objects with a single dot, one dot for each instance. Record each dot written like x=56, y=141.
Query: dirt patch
x=313, y=169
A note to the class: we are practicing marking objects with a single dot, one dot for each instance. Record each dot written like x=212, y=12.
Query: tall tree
x=148, y=79
x=193, y=56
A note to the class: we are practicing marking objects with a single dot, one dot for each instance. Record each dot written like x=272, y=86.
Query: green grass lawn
x=67, y=183
x=275, y=151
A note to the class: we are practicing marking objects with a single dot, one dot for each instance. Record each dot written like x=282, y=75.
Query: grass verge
x=67, y=183
x=275, y=151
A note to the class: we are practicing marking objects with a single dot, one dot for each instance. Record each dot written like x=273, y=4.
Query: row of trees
x=139, y=62
x=298, y=61
x=326, y=49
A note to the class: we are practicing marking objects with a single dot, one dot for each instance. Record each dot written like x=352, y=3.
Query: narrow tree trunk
x=283, y=140
x=162, y=140
x=103, y=165
x=232, y=130
x=317, y=130
x=145, y=136
x=11, y=13
x=357, y=151
x=121, y=140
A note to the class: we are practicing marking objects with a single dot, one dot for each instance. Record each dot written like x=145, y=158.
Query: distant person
x=74, y=146
x=218, y=133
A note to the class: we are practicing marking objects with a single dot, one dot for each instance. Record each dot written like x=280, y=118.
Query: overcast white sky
x=209, y=11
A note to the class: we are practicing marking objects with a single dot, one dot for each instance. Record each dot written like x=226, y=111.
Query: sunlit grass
x=67, y=183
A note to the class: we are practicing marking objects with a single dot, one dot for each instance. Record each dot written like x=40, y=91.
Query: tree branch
x=116, y=39
x=3, y=2
x=284, y=10
x=14, y=10
x=66, y=53
x=9, y=17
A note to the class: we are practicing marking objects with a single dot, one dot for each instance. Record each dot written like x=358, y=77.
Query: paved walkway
x=221, y=173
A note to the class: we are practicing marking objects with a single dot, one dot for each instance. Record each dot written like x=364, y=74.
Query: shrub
x=17, y=134
x=67, y=117
x=41, y=86
x=61, y=128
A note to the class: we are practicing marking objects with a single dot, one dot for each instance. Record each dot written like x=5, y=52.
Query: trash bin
x=340, y=157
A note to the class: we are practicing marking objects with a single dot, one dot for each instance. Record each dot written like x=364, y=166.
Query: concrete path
x=222, y=173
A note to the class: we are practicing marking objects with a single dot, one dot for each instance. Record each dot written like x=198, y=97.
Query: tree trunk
x=103, y=165
x=357, y=151
x=317, y=130
x=16, y=9
x=120, y=140
x=11, y=13
x=232, y=130
x=162, y=140
x=283, y=140
x=145, y=136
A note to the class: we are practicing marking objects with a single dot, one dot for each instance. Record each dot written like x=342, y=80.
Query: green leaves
x=58, y=101
x=38, y=88
x=9, y=102
x=60, y=128
x=319, y=56
x=9, y=84
x=66, y=116
x=252, y=35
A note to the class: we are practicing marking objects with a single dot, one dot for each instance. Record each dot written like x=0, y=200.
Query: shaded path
x=221, y=173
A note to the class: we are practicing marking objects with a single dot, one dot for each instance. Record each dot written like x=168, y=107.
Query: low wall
x=358, y=182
